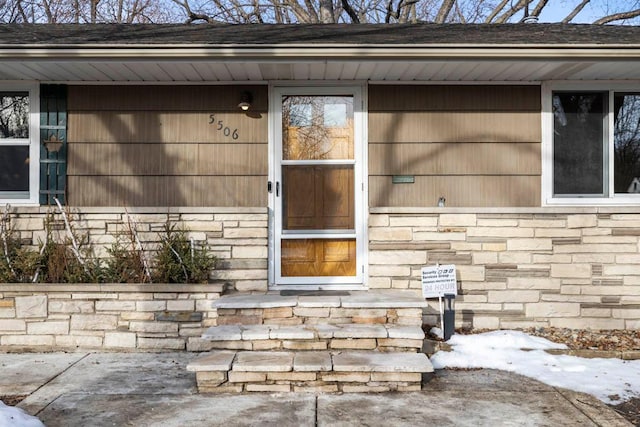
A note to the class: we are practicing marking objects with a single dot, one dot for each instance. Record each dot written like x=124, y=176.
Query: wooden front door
x=318, y=187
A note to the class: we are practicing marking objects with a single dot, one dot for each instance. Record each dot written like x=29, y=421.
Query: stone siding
x=543, y=267
x=127, y=316
x=236, y=236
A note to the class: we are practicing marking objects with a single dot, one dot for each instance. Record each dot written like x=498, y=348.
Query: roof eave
x=320, y=52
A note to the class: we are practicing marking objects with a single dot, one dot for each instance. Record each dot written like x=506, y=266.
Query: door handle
x=269, y=187
x=277, y=189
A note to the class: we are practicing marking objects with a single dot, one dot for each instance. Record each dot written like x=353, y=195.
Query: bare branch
x=496, y=10
x=618, y=17
x=326, y=11
x=460, y=15
x=512, y=11
x=445, y=8
x=538, y=9
x=575, y=11
x=352, y=13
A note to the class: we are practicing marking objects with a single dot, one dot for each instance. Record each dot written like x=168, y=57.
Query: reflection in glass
x=335, y=115
x=300, y=115
x=626, y=137
x=14, y=168
x=317, y=127
x=14, y=115
x=578, y=143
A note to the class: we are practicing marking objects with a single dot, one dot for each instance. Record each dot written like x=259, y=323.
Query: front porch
x=336, y=342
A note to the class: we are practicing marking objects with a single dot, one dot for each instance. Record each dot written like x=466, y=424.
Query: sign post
x=437, y=281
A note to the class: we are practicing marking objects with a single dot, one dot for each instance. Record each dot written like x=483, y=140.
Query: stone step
x=357, y=307
x=385, y=338
x=317, y=371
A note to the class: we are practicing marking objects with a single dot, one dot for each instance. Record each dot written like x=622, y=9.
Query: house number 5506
x=220, y=127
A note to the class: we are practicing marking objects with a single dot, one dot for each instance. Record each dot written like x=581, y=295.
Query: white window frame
x=33, y=141
x=610, y=198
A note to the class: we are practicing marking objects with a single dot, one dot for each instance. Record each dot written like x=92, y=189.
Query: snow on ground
x=16, y=417
x=610, y=380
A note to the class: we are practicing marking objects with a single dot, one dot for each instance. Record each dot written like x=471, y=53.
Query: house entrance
x=318, y=191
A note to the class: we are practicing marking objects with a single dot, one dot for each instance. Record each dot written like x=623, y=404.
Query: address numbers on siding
x=222, y=128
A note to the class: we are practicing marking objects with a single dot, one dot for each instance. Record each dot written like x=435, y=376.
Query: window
x=592, y=140
x=19, y=151
x=626, y=142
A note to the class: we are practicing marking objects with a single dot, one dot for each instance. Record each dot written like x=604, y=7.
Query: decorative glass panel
x=14, y=115
x=578, y=143
x=626, y=136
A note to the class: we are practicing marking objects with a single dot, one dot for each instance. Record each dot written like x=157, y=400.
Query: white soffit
x=256, y=70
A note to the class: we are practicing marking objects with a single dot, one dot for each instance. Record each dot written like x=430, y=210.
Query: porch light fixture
x=245, y=101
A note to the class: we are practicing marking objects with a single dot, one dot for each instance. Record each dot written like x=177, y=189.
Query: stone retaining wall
x=560, y=267
x=143, y=317
x=236, y=236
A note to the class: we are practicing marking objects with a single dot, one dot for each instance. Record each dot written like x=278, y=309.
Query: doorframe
x=359, y=90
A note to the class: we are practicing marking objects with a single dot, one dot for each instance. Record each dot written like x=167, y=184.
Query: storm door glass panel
x=579, y=143
x=14, y=144
x=626, y=136
x=317, y=127
x=318, y=203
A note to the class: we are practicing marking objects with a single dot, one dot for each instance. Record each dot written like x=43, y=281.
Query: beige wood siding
x=477, y=146
x=167, y=146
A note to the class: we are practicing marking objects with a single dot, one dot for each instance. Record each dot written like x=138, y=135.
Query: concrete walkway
x=154, y=389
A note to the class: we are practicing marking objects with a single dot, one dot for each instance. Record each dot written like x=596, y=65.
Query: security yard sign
x=439, y=280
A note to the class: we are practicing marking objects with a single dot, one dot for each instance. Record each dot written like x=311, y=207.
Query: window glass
x=300, y=115
x=14, y=168
x=579, y=143
x=317, y=127
x=14, y=115
x=335, y=115
x=626, y=136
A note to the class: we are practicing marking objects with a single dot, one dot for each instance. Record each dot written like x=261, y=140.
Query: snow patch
x=15, y=417
x=610, y=380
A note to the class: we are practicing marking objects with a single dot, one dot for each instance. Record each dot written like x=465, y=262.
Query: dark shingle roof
x=327, y=34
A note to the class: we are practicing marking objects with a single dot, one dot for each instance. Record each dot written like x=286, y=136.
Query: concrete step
x=315, y=371
x=387, y=338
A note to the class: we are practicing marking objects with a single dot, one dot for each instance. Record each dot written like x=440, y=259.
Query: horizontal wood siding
x=459, y=190
x=167, y=146
x=171, y=190
x=477, y=146
x=454, y=159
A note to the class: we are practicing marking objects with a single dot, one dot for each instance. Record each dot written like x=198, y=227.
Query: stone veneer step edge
x=348, y=361
x=357, y=300
x=381, y=362
x=309, y=332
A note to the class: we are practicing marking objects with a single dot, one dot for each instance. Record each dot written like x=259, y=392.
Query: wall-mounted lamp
x=441, y=202
x=245, y=101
